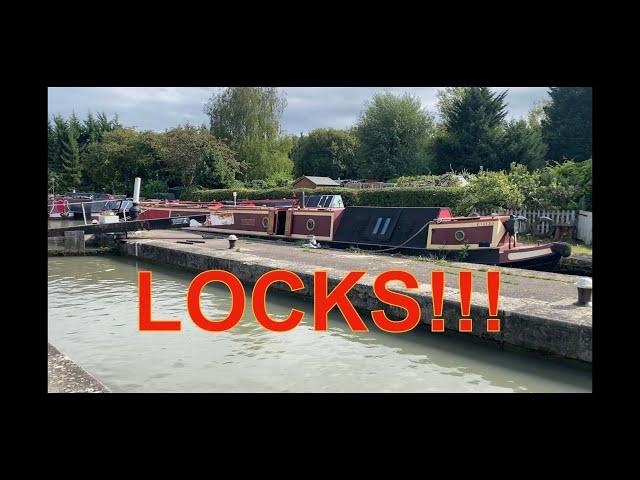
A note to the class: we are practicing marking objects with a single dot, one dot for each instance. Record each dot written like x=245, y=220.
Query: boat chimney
x=136, y=190
x=135, y=210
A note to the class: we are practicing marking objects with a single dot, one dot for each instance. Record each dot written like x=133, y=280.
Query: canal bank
x=537, y=309
x=65, y=376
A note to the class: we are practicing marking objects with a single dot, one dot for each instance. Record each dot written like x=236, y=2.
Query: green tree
x=64, y=156
x=52, y=145
x=393, y=134
x=537, y=114
x=199, y=158
x=472, y=129
x=567, y=128
x=523, y=144
x=325, y=152
x=247, y=119
x=122, y=155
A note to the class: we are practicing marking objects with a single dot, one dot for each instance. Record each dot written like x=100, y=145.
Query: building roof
x=319, y=181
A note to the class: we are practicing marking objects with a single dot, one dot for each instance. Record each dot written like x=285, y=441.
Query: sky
x=161, y=108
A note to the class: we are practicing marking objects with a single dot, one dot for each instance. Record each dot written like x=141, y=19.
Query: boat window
x=337, y=202
x=375, y=229
x=386, y=225
x=312, y=201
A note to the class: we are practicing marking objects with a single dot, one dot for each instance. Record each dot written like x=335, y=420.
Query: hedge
x=395, y=197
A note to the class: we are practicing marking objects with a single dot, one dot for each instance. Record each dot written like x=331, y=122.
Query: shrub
x=396, y=197
x=561, y=186
x=152, y=188
x=490, y=191
x=564, y=186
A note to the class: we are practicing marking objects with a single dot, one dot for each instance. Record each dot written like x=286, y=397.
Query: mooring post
x=74, y=242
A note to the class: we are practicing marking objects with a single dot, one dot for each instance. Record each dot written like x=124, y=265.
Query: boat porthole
x=311, y=224
x=459, y=235
x=265, y=222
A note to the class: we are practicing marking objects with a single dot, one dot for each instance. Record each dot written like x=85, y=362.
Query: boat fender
x=561, y=248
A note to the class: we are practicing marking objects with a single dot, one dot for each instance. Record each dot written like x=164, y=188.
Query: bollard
x=232, y=240
x=584, y=291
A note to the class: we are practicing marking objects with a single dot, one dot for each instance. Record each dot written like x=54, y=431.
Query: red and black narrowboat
x=488, y=240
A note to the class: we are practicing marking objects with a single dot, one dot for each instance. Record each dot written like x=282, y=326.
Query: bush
x=152, y=188
x=391, y=197
x=490, y=191
x=565, y=186
x=449, y=179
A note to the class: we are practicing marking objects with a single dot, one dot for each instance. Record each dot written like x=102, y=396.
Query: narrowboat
x=434, y=231
x=153, y=209
x=83, y=205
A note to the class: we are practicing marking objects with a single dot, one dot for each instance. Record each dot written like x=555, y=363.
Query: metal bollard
x=584, y=291
x=232, y=240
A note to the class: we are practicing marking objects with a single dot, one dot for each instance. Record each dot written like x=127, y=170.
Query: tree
x=197, y=157
x=537, y=114
x=64, y=154
x=247, y=119
x=523, y=144
x=393, y=134
x=325, y=152
x=472, y=133
x=122, y=155
x=567, y=128
x=52, y=153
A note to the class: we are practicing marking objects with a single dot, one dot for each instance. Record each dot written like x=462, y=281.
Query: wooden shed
x=314, y=182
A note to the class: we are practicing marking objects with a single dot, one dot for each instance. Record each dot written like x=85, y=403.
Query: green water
x=93, y=310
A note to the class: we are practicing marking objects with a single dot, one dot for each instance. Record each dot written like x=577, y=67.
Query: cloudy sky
x=160, y=108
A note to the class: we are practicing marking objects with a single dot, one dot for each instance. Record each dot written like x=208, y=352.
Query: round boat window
x=265, y=222
x=311, y=224
x=459, y=235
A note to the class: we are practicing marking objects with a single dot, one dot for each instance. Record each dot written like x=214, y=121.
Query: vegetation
x=471, y=158
x=567, y=126
x=393, y=134
x=325, y=152
x=248, y=120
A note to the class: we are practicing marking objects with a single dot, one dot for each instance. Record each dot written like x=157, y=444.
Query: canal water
x=93, y=310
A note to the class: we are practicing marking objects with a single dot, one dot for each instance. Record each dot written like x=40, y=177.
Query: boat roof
x=319, y=180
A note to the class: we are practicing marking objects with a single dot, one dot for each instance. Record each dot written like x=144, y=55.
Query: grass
x=577, y=247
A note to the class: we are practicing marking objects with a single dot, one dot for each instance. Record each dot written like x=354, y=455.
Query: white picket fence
x=537, y=220
x=585, y=226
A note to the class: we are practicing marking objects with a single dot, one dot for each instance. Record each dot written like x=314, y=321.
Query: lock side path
x=537, y=309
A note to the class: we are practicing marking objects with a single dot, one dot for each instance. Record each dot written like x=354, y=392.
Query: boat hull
x=485, y=256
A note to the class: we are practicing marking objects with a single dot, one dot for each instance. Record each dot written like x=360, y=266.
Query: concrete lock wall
x=74, y=242
x=525, y=323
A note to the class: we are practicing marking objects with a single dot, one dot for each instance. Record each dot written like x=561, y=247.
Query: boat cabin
x=320, y=217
